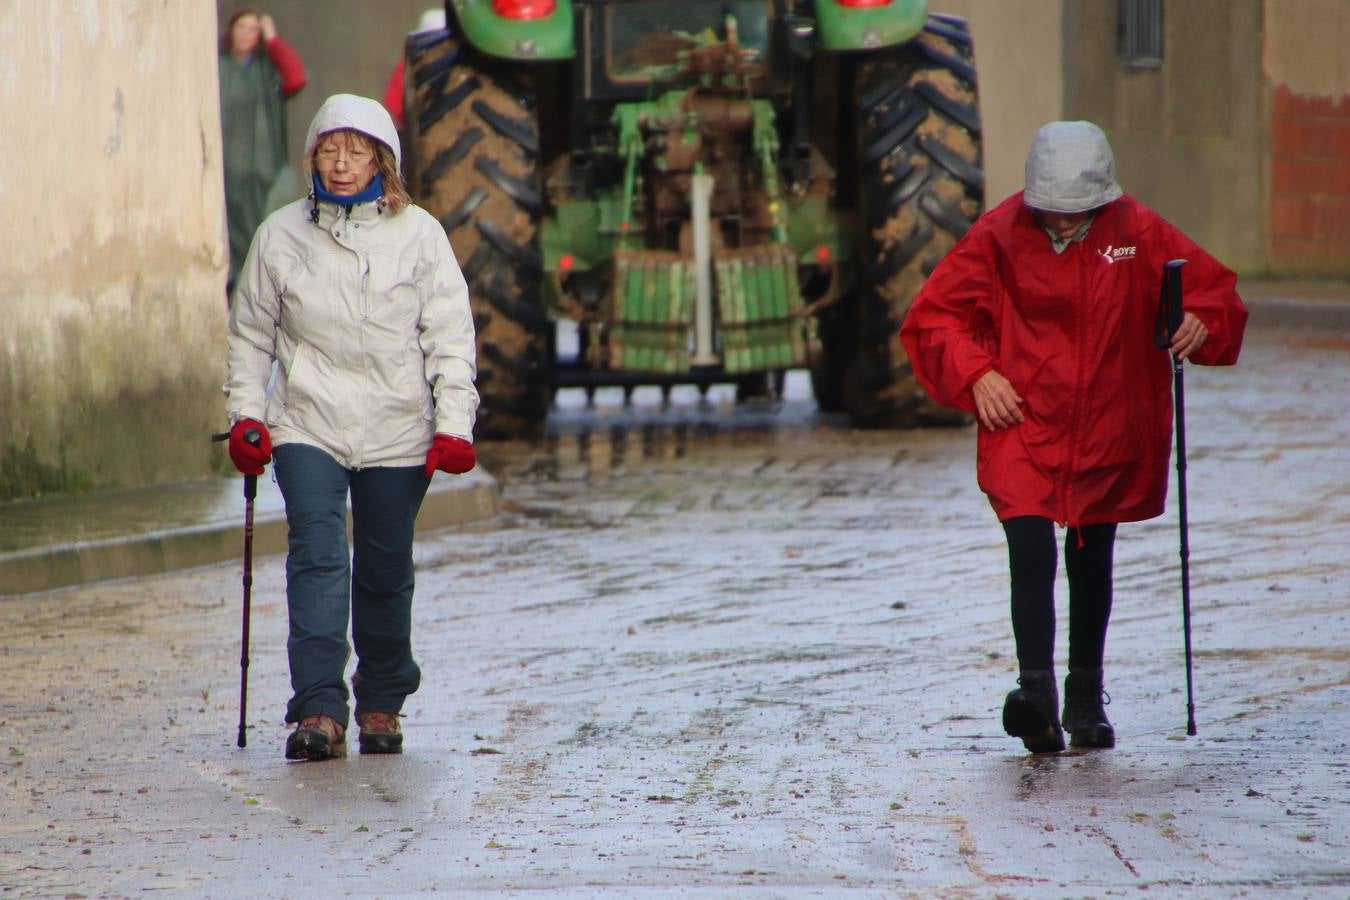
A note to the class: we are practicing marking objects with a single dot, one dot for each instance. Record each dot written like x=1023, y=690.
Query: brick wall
x=1310, y=184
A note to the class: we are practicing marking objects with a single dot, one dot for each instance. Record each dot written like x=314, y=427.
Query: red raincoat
x=1073, y=333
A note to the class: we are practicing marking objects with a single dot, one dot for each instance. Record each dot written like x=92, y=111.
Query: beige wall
x=111, y=279
x=1307, y=45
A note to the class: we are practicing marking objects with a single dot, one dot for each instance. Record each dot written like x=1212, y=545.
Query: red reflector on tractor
x=525, y=9
x=862, y=3
x=823, y=254
x=566, y=262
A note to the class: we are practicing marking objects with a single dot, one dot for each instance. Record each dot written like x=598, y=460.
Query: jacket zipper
x=364, y=262
x=365, y=289
x=1080, y=330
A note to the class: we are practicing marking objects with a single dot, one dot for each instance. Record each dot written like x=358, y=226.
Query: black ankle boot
x=1031, y=712
x=1084, y=713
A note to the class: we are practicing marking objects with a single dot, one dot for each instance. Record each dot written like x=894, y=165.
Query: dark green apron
x=253, y=129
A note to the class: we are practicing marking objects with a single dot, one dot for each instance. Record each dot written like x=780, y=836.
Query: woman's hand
x=996, y=403
x=450, y=454
x=250, y=446
x=269, y=29
x=1189, y=336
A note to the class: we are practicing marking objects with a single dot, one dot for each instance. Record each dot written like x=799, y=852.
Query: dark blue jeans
x=324, y=584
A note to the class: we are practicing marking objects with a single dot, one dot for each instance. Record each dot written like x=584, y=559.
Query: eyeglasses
x=356, y=155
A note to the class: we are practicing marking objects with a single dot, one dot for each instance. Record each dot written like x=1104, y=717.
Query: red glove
x=450, y=454
x=249, y=458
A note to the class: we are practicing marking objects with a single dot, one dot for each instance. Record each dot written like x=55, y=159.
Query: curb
x=1280, y=312
x=1293, y=303
x=466, y=499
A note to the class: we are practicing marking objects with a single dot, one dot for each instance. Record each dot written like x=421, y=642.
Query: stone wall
x=112, y=279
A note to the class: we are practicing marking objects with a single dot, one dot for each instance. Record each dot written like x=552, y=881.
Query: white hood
x=1070, y=169
x=358, y=113
x=432, y=20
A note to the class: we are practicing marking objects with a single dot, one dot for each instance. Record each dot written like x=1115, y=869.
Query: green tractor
x=712, y=191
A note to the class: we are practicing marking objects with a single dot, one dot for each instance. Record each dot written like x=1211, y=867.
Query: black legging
x=1032, y=562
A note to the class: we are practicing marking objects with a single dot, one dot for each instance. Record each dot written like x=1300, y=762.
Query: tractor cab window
x=653, y=40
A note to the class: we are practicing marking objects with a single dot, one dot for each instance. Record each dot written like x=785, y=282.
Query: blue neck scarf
x=373, y=191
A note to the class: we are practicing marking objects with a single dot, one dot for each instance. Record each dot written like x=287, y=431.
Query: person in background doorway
x=355, y=296
x=258, y=72
x=1041, y=321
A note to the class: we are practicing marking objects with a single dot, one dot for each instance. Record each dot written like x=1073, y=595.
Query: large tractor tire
x=922, y=185
x=473, y=141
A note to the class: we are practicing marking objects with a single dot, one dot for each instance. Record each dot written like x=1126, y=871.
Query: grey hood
x=359, y=114
x=1070, y=169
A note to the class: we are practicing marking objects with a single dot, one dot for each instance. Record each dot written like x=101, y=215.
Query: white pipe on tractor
x=701, y=202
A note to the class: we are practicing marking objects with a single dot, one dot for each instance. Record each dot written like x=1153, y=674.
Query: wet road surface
x=713, y=650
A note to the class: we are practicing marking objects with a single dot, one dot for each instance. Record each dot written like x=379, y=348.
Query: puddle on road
x=590, y=441
x=590, y=451
x=555, y=517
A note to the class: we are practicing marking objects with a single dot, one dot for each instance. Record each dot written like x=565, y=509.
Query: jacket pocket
x=301, y=393
x=295, y=375
x=413, y=386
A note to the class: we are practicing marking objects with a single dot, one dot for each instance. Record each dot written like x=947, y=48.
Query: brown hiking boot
x=315, y=738
x=380, y=732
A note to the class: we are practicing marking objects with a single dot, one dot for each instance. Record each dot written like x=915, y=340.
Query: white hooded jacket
x=366, y=315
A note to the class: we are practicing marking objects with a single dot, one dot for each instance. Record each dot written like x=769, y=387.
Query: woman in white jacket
x=356, y=297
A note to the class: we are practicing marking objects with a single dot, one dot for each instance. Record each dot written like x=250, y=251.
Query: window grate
x=1139, y=36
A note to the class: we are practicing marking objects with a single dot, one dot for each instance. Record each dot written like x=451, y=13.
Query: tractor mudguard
x=868, y=27
x=547, y=37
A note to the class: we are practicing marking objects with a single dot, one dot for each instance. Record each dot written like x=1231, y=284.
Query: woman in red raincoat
x=1041, y=322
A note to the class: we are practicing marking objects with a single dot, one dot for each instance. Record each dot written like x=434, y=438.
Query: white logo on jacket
x=1115, y=254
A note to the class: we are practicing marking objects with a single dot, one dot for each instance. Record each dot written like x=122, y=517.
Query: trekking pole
x=251, y=436
x=1169, y=320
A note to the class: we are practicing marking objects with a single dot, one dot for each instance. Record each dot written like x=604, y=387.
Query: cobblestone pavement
x=734, y=651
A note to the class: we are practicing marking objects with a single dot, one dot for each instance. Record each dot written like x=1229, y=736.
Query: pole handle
x=251, y=436
x=1170, y=313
